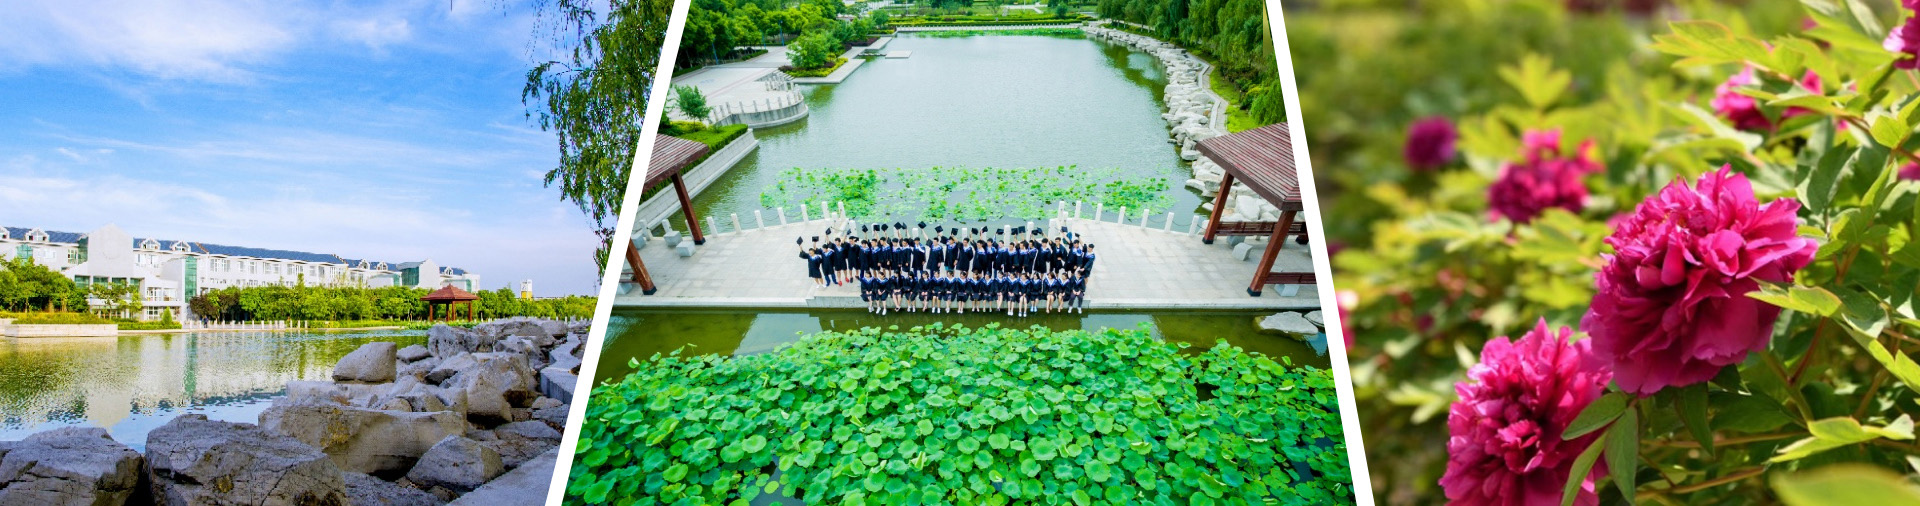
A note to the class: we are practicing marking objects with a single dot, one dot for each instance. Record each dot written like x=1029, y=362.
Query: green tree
x=813, y=50
x=594, y=99
x=691, y=102
x=880, y=18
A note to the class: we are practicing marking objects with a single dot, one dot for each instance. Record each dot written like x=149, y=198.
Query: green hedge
x=819, y=72
x=55, y=318
x=997, y=22
x=148, y=326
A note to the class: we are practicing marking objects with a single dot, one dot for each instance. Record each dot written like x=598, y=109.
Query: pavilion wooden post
x=640, y=274
x=1219, y=207
x=1274, y=241
x=429, y=311
x=686, y=207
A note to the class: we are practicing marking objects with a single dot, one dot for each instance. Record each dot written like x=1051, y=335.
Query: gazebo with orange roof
x=670, y=155
x=449, y=296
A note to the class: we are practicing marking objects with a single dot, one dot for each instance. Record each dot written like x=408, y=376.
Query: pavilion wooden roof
x=1262, y=158
x=670, y=154
x=450, y=294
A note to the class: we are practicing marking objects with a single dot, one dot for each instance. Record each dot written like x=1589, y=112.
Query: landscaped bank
x=963, y=415
x=1194, y=113
x=423, y=424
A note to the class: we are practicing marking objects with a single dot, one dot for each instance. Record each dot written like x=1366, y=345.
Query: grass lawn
x=819, y=72
x=1237, y=119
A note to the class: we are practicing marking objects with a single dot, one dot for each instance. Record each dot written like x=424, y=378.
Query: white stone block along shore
x=472, y=417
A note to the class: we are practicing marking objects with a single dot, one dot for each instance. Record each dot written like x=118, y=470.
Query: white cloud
x=196, y=39
x=375, y=33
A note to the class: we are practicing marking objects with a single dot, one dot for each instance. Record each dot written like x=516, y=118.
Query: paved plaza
x=1138, y=268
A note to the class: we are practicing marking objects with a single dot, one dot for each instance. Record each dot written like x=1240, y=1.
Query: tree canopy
x=593, y=95
x=1232, y=34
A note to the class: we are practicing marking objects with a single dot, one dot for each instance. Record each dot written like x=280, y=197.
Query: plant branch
x=1723, y=480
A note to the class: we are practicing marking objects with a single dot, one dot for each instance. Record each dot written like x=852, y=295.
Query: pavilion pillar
x=640, y=274
x=1274, y=241
x=1219, y=207
x=429, y=311
x=686, y=208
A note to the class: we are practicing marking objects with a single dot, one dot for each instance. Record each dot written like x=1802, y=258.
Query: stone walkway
x=1138, y=268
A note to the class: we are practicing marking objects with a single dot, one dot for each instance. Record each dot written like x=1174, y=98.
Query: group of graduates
x=945, y=272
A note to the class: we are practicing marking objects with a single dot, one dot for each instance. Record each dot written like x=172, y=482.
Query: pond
x=642, y=333
x=998, y=101
x=133, y=384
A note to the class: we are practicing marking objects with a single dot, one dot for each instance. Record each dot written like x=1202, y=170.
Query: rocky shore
x=473, y=417
x=1190, y=119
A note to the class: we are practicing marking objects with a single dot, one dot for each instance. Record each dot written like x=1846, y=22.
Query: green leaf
x=1817, y=190
x=1603, y=411
x=1582, y=466
x=1536, y=79
x=1623, y=451
x=1844, y=485
x=1692, y=404
x=1887, y=130
x=1806, y=299
x=1836, y=432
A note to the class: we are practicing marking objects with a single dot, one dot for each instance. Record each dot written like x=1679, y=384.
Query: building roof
x=449, y=294
x=1262, y=158
x=19, y=233
x=670, y=154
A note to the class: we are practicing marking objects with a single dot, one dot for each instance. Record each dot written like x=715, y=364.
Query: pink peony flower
x=1671, y=307
x=1430, y=143
x=1744, y=111
x=1504, y=443
x=1345, y=300
x=1546, y=178
x=1905, y=39
x=1910, y=171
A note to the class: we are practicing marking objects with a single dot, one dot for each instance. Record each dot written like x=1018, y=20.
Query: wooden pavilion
x=670, y=155
x=449, y=296
x=1262, y=159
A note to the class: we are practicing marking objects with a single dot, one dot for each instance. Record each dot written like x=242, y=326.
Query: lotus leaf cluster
x=965, y=194
x=956, y=415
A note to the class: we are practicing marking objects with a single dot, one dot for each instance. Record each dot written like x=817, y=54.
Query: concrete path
x=1138, y=268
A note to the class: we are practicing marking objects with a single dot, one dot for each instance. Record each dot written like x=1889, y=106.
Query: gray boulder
x=558, y=383
x=418, y=368
x=458, y=464
x=527, y=430
x=365, y=490
x=412, y=353
x=372, y=363
x=195, y=461
x=1289, y=324
x=68, y=466
x=445, y=341
x=526, y=484
x=1318, y=319
x=497, y=383
x=300, y=392
x=555, y=417
x=449, y=367
x=363, y=440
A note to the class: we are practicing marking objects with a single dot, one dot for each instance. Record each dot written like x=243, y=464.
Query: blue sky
x=390, y=130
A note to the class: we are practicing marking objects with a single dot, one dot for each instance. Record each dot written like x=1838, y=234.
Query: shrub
x=691, y=102
x=939, y=415
x=55, y=318
x=813, y=50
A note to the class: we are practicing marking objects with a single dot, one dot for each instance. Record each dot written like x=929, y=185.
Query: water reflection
x=642, y=333
x=988, y=101
x=133, y=384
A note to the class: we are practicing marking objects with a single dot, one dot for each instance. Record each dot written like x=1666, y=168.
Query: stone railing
x=786, y=108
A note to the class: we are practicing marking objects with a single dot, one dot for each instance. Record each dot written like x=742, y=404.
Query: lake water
x=1001, y=101
x=133, y=384
x=642, y=333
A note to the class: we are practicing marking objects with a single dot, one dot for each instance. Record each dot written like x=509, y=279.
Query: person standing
x=813, y=259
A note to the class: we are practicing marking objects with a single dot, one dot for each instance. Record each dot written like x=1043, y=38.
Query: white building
x=170, y=272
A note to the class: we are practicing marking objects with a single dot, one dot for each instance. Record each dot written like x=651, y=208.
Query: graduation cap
x=1000, y=232
x=936, y=229
x=1063, y=230
x=829, y=231
x=923, y=224
x=816, y=238
x=899, y=226
x=799, y=240
x=863, y=229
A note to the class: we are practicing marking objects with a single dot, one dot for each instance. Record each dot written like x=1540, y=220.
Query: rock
x=515, y=452
x=1288, y=323
x=417, y=369
x=360, y=440
x=194, y=461
x=446, y=341
x=496, y=383
x=413, y=353
x=325, y=392
x=458, y=464
x=555, y=417
x=1317, y=318
x=544, y=403
x=372, y=363
x=558, y=383
x=71, y=465
x=527, y=484
x=449, y=367
x=366, y=490
x=527, y=430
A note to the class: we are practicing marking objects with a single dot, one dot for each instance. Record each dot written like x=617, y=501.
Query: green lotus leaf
x=1044, y=449
x=1029, y=467
x=998, y=441
x=732, y=453
x=968, y=444
x=674, y=474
